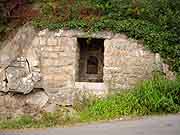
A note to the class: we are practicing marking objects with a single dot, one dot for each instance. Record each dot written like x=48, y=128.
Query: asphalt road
x=164, y=125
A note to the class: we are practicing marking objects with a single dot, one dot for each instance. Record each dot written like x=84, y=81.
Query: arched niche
x=92, y=65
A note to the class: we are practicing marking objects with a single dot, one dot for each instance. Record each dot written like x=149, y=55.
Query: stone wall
x=58, y=63
x=50, y=60
x=12, y=48
x=126, y=62
x=16, y=74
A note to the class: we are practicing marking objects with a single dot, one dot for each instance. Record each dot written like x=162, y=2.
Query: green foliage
x=156, y=23
x=151, y=97
x=47, y=9
x=162, y=12
x=83, y=100
x=156, y=96
x=154, y=37
x=21, y=122
x=60, y=117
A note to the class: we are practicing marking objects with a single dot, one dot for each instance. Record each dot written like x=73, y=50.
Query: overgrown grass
x=156, y=96
x=60, y=117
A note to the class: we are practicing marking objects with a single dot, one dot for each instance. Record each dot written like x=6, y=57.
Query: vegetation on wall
x=156, y=23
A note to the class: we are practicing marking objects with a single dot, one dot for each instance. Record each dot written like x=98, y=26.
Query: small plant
x=20, y=122
x=83, y=100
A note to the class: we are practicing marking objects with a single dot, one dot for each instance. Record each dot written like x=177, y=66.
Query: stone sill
x=95, y=88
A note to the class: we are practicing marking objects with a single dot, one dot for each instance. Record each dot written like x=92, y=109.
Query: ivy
x=156, y=23
x=155, y=39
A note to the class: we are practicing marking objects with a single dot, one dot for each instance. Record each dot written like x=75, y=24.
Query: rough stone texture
x=51, y=61
x=19, y=62
x=15, y=47
x=20, y=77
x=38, y=99
x=57, y=63
x=50, y=108
x=126, y=62
x=63, y=97
x=2, y=74
x=3, y=87
x=13, y=105
x=97, y=89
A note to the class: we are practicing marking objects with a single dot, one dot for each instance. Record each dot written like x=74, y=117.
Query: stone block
x=51, y=84
x=4, y=60
x=70, y=33
x=38, y=99
x=21, y=81
x=50, y=108
x=59, y=33
x=52, y=41
x=26, y=86
x=36, y=76
x=62, y=61
x=98, y=89
x=13, y=85
x=33, y=58
x=103, y=35
x=3, y=86
x=61, y=77
x=58, y=69
x=14, y=73
x=120, y=36
x=43, y=41
x=43, y=32
x=116, y=53
x=18, y=64
x=69, y=45
x=52, y=49
x=115, y=61
x=36, y=42
x=53, y=55
x=64, y=97
x=2, y=74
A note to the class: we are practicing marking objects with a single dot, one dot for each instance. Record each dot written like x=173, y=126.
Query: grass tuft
x=158, y=96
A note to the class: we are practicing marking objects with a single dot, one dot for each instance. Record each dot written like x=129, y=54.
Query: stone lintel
x=77, y=33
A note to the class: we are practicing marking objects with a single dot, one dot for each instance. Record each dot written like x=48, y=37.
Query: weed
x=157, y=96
x=152, y=96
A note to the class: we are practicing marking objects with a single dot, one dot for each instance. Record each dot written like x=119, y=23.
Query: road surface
x=164, y=125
